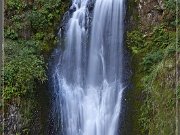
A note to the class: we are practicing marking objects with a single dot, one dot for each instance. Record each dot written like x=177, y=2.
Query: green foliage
x=159, y=41
x=170, y=13
x=154, y=46
x=151, y=59
x=10, y=32
x=15, y=5
x=29, y=35
x=44, y=17
x=159, y=105
x=23, y=66
x=37, y=21
x=155, y=53
x=135, y=41
x=160, y=38
x=170, y=5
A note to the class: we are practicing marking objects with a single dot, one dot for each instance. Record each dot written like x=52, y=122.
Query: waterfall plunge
x=88, y=76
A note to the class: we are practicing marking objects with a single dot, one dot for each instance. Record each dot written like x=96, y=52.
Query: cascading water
x=87, y=77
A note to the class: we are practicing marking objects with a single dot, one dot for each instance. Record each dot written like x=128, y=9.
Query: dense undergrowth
x=30, y=33
x=153, y=62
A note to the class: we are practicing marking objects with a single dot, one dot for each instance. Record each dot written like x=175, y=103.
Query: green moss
x=136, y=96
x=132, y=10
x=159, y=103
x=152, y=94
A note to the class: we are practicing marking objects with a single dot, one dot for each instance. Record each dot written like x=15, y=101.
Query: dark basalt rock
x=90, y=5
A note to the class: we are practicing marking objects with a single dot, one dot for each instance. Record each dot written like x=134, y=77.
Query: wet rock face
x=150, y=12
x=12, y=120
x=64, y=21
x=18, y=119
x=90, y=5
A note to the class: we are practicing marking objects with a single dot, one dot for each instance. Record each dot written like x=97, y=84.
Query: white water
x=89, y=79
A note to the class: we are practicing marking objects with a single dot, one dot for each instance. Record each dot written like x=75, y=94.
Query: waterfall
x=87, y=76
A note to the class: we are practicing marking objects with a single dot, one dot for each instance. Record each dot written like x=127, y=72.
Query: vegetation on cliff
x=153, y=48
x=30, y=35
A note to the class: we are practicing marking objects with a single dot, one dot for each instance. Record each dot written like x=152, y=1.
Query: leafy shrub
x=135, y=41
x=23, y=66
x=151, y=59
